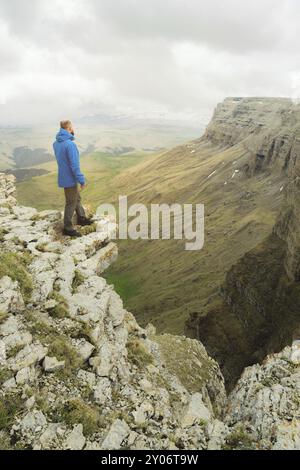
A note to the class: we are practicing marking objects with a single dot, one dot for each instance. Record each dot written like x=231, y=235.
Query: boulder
x=33, y=422
x=28, y=356
x=25, y=376
x=76, y=439
x=116, y=435
x=51, y=364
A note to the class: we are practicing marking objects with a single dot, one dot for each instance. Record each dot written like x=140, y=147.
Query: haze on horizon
x=176, y=58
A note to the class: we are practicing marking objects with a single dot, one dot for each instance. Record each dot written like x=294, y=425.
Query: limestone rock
x=295, y=355
x=107, y=355
x=196, y=412
x=267, y=397
x=288, y=436
x=87, y=377
x=33, y=421
x=217, y=431
x=24, y=213
x=2, y=352
x=10, y=384
x=10, y=326
x=28, y=356
x=84, y=349
x=25, y=376
x=51, y=437
x=11, y=299
x=17, y=339
x=102, y=392
x=30, y=403
x=143, y=413
x=76, y=439
x=116, y=435
x=116, y=310
x=51, y=364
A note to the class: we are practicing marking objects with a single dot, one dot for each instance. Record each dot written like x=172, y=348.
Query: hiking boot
x=72, y=233
x=84, y=221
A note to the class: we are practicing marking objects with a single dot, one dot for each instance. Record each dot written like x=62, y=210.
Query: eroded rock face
x=266, y=401
x=267, y=128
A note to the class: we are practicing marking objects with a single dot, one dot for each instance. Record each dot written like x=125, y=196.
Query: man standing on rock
x=69, y=177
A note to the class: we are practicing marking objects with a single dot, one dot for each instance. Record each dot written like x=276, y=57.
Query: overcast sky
x=71, y=58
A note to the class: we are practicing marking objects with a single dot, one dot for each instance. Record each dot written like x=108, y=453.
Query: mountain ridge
x=259, y=297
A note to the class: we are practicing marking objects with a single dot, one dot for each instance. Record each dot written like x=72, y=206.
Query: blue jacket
x=67, y=156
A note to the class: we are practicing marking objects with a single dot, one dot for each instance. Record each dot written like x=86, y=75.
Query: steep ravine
x=257, y=310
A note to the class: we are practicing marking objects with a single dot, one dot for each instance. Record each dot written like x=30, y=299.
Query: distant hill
x=27, y=147
x=25, y=157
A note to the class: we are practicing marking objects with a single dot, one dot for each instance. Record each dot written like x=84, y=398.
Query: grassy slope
x=171, y=283
x=159, y=281
x=100, y=170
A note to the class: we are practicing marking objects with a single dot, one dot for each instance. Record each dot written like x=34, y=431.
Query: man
x=69, y=177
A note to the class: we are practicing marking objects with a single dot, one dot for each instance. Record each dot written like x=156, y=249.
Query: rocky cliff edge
x=77, y=372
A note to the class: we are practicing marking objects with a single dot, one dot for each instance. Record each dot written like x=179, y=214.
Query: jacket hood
x=64, y=135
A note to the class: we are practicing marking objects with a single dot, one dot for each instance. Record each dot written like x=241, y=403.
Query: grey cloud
x=180, y=55
x=226, y=24
x=21, y=16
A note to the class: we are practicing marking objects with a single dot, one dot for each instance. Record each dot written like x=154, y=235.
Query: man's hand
x=82, y=187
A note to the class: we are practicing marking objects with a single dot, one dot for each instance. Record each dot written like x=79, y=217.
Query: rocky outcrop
x=266, y=129
x=76, y=370
x=264, y=407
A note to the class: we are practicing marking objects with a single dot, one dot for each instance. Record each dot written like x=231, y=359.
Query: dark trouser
x=73, y=203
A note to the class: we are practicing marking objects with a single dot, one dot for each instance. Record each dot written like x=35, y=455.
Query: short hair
x=65, y=124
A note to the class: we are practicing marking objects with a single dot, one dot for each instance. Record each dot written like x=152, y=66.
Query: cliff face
x=267, y=128
x=257, y=309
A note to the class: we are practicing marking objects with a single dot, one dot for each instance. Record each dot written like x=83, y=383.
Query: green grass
x=3, y=232
x=5, y=441
x=78, y=280
x=75, y=411
x=138, y=354
x=61, y=349
x=185, y=359
x=5, y=374
x=10, y=406
x=125, y=285
x=61, y=310
x=3, y=317
x=239, y=439
x=14, y=351
x=100, y=169
x=14, y=265
x=88, y=229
